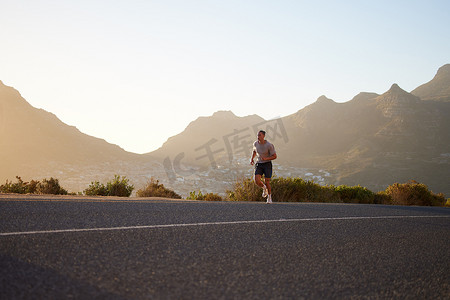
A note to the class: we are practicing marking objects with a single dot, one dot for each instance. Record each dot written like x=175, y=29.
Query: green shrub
x=194, y=196
x=96, y=189
x=382, y=198
x=50, y=186
x=213, y=197
x=119, y=186
x=292, y=189
x=438, y=199
x=355, y=194
x=155, y=189
x=204, y=197
x=32, y=186
x=300, y=190
x=19, y=187
x=413, y=193
x=244, y=189
x=47, y=186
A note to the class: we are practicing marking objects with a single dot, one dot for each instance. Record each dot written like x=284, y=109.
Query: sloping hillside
x=35, y=143
x=212, y=136
x=438, y=88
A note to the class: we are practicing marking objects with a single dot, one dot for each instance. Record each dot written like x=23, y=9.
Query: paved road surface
x=112, y=248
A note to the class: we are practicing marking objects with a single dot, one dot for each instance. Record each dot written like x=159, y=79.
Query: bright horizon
x=138, y=72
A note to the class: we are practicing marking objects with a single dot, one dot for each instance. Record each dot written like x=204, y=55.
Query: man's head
x=261, y=135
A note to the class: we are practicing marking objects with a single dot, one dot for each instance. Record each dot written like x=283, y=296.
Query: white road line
x=212, y=223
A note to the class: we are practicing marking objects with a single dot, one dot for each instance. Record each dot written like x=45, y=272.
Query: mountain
x=326, y=128
x=373, y=140
x=409, y=139
x=208, y=134
x=38, y=135
x=35, y=144
x=436, y=89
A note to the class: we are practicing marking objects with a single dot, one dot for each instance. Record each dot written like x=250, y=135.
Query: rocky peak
x=396, y=89
x=443, y=71
x=224, y=114
x=324, y=100
x=438, y=88
x=396, y=101
x=364, y=96
x=397, y=95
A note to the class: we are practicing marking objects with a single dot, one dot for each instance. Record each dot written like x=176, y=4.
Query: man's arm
x=253, y=157
x=272, y=157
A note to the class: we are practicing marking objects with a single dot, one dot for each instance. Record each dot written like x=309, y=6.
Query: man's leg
x=268, y=175
x=269, y=189
x=258, y=181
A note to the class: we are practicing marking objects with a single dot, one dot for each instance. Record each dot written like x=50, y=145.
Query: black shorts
x=264, y=169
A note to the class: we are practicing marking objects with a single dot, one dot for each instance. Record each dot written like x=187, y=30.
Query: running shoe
x=265, y=192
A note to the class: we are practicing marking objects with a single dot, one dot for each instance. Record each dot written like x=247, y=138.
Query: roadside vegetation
x=300, y=190
x=46, y=186
x=156, y=189
x=205, y=197
x=284, y=189
x=119, y=187
x=413, y=193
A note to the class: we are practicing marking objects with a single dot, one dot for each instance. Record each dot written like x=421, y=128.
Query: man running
x=266, y=153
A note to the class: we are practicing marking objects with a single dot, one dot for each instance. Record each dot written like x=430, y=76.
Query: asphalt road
x=112, y=248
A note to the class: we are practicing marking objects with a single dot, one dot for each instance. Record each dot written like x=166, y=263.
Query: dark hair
x=263, y=132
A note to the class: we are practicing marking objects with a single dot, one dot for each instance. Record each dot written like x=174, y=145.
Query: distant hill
x=208, y=133
x=438, y=88
x=35, y=143
x=375, y=141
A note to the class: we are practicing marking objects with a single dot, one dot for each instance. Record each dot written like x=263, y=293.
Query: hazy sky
x=137, y=72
